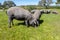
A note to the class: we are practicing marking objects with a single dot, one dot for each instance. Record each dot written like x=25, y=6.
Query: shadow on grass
x=40, y=21
x=23, y=23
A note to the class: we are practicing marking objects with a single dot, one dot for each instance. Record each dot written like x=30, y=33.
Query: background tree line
x=43, y=3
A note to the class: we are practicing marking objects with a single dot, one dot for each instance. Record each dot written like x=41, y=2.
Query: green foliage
x=29, y=7
x=8, y=4
x=32, y=7
x=48, y=30
x=54, y=7
x=58, y=1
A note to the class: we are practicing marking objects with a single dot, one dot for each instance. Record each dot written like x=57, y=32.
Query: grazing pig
x=55, y=12
x=37, y=14
x=19, y=14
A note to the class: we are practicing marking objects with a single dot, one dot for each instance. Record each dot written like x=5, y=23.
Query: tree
x=58, y=1
x=48, y=2
x=8, y=4
x=0, y=6
x=40, y=3
x=45, y=3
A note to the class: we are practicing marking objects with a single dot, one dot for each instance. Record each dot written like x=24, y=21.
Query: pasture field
x=49, y=28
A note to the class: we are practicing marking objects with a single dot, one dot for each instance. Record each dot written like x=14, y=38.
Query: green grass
x=48, y=30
